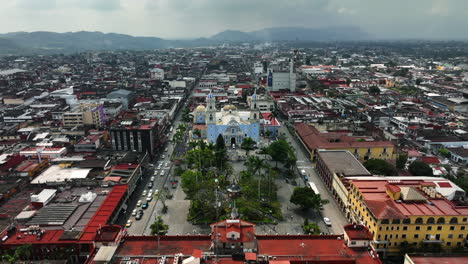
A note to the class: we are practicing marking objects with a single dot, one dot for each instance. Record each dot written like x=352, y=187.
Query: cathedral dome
x=229, y=108
x=200, y=108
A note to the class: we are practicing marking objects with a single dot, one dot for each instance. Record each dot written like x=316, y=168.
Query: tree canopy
x=380, y=167
x=419, y=168
x=401, y=161
x=248, y=144
x=374, y=90
x=158, y=227
x=306, y=198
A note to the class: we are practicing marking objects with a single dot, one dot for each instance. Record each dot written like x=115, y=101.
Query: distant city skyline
x=181, y=19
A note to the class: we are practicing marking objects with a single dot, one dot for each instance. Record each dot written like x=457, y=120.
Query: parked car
x=163, y=156
x=152, y=178
x=134, y=212
x=139, y=203
x=144, y=193
x=149, y=198
x=150, y=185
x=145, y=205
x=327, y=221
x=139, y=216
x=166, y=149
x=129, y=223
x=162, y=173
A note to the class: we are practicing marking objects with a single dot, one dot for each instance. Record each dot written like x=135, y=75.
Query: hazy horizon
x=179, y=19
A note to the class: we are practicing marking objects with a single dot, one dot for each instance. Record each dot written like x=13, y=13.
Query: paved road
x=331, y=210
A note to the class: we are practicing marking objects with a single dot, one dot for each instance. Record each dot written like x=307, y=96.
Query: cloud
x=201, y=18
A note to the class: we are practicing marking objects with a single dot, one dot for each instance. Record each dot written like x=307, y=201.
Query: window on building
x=396, y=236
x=418, y=227
x=385, y=222
x=449, y=243
x=454, y=220
x=429, y=228
x=378, y=237
x=368, y=151
x=416, y=236
x=396, y=221
x=452, y=227
x=405, y=228
x=462, y=227
x=441, y=220
x=386, y=228
x=419, y=220
x=439, y=228
x=384, y=150
x=460, y=236
x=430, y=220
x=458, y=243
x=427, y=237
x=465, y=219
x=403, y=236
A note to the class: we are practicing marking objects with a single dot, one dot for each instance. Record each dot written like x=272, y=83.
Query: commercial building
x=281, y=80
x=127, y=98
x=363, y=148
x=135, y=135
x=416, y=210
x=335, y=167
x=157, y=74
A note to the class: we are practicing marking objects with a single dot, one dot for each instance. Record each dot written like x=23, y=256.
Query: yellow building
x=361, y=148
x=413, y=211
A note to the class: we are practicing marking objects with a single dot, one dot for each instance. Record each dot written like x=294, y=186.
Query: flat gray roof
x=343, y=162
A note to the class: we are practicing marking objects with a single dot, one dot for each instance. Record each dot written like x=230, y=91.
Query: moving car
x=149, y=198
x=145, y=205
x=139, y=215
x=162, y=173
x=139, y=203
x=134, y=212
x=327, y=221
x=150, y=185
x=129, y=223
x=163, y=156
x=152, y=178
x=144, y=193
x=166, y=149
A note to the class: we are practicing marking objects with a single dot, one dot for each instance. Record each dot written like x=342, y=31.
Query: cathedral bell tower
x=210, y=109
x=254, y=112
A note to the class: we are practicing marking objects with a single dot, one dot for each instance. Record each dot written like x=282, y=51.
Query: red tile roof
x=383, y=207
x=102, y=215
x=439, y=260
x=430, y=160
x=313, y=139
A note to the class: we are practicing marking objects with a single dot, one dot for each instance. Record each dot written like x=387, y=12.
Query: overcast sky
x=202, y=18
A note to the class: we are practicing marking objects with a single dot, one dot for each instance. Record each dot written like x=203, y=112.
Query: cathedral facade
x=232, y=124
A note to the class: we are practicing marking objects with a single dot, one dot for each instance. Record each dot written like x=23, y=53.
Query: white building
x=258, y=67
x=282, y=80
x=157, y=74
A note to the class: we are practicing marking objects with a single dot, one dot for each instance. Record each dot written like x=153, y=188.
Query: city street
x=331, y=210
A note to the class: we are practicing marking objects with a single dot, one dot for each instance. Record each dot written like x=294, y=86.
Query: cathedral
x=232, y=124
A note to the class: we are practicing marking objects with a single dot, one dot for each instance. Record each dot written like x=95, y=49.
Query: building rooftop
x=414, y=201
x=57, y=173
x=343, y=162
x=313, y=139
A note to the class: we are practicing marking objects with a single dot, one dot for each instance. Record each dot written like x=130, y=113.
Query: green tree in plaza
x=380, y=167
x=197, y=132
x=220, y=144
x=248, y=144
x=186, y=115
x=401, y=161
x=419, y=168
x=306, y=198
x=159, y=227
x=310, y=228
x=280, y=151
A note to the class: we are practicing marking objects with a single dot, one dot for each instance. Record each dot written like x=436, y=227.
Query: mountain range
x=44, y=42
